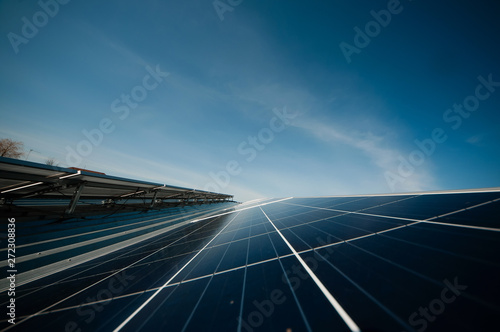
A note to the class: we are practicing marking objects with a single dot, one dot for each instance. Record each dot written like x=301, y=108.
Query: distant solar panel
x=31, y=190
x=415, y=262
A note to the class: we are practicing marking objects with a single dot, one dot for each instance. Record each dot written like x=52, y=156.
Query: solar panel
x=31, y=190
x=414, y=262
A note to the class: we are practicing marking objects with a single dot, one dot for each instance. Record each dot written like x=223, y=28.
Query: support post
x=75, y=198
x=154, y=199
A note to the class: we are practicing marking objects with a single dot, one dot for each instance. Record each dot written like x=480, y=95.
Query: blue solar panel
x=370, y=263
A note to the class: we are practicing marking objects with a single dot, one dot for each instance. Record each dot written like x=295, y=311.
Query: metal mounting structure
x=79, y=188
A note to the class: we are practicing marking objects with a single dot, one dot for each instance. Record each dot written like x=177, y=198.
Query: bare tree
x=10, y=148
x=51, y=162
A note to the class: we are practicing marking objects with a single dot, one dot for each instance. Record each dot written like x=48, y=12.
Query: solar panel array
x=31, y=191
x=422, y=262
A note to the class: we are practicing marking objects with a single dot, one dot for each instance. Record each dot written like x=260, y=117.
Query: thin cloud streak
x=372, y=146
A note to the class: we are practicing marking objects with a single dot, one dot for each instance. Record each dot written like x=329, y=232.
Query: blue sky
x=261, y=103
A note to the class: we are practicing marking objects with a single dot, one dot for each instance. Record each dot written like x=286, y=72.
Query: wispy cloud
x=377, y=148
x=107, y=43
x=475, y=140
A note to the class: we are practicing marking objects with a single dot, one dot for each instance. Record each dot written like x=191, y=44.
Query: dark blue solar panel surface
x=390, y=263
